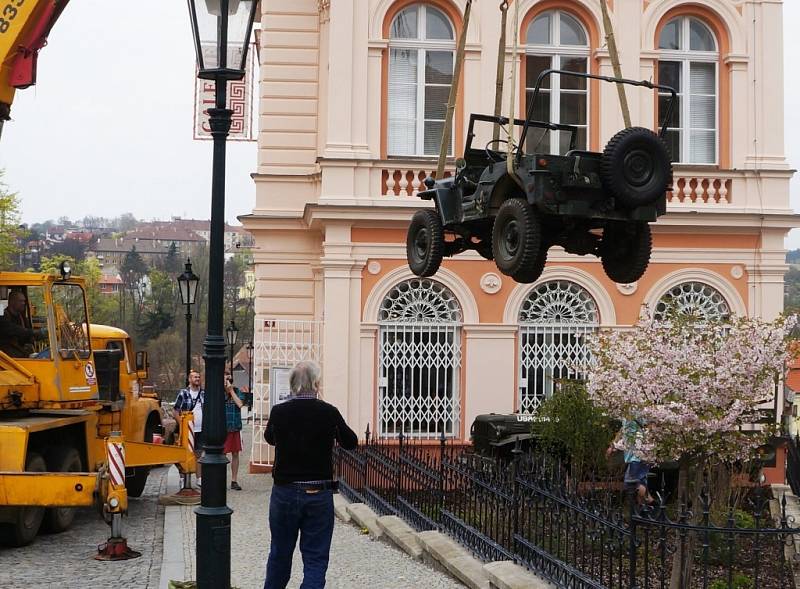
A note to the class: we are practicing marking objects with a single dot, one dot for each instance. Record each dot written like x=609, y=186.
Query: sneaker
x=235, y=486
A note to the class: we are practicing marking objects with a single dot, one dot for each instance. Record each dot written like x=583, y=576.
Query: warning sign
x=91, y=377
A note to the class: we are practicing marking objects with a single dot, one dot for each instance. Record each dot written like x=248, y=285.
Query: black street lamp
x=249, y=376
x=222, y=30
x=187, y=285
x=232, y=333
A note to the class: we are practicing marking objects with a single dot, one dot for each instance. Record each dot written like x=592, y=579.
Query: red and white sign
x=240, y=101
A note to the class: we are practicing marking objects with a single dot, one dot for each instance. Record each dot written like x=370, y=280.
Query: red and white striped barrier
x=190, y=436
x=116, y=463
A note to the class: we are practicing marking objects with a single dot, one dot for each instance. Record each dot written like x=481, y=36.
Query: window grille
x=693, y=298
x=419, y=360
x=555, y=319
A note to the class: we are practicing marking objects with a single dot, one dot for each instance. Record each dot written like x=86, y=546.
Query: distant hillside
x=793, y=257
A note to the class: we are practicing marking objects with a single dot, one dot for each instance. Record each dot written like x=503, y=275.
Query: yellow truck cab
x=65, y=386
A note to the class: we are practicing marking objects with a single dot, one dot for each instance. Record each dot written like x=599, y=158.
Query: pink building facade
x=352, y=100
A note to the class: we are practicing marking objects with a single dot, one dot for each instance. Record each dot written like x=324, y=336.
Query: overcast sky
x=108, y=127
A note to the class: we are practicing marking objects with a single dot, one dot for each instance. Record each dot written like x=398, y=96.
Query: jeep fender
x=448, y=201
x=506, y=187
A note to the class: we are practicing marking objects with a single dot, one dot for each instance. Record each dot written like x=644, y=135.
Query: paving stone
x=401, y=534
x=504, y=574
x=365, y=518
x=455, y=559
x=340, y=508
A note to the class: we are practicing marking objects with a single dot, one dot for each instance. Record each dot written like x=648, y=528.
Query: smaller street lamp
x=250, y=376
x=232, y=333
x=187, y=284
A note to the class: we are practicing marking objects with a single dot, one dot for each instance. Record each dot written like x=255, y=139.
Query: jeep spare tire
x=425, y=243
x=636, y=167
x=516, y=237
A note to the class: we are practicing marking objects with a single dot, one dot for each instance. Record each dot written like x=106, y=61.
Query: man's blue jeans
x=292, y=510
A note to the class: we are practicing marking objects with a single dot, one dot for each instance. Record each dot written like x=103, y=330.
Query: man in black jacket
x=16, y=334
x=303, y=430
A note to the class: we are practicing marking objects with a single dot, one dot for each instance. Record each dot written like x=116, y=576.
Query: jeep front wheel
x=425, y=243
x=625, y=251
x=516, y=237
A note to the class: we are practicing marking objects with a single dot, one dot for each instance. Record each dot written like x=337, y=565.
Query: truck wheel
x=27, y=520
x=533, y=273
x=516, y=237
x=136, y=477
x=625, y=251
x=425, y=243
x=636, y=167
x=61, y=459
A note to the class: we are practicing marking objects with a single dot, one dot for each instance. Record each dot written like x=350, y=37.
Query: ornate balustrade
x=701, y=187
x=404, y=178
x=692, y=187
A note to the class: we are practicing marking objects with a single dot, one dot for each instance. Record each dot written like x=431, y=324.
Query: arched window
x=554, y=321
x=421, y=51
x=688, y=62
x=693, y=298
x=557, y=40
x=419, y=360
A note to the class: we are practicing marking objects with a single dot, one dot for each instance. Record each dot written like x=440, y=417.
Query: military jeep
x=586, y=202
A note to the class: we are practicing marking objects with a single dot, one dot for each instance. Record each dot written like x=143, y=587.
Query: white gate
x=419, y=363
x=554, y=321
x=279, y=345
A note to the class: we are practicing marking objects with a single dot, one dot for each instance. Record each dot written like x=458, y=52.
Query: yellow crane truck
x=68, y=389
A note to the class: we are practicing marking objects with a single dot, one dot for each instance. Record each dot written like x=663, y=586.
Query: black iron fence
x=576, y=533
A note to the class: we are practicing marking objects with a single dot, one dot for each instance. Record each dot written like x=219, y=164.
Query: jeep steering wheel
x=491, y=155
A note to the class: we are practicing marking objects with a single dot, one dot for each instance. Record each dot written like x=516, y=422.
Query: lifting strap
x=501, y=60
x=512, y=99
x=451, y=101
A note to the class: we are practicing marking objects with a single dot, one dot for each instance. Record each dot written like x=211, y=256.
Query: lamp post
x=232, y=333
x=221, y=30
x=249, y=377
x=187, y=285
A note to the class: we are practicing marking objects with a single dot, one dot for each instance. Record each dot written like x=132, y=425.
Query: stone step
x=401, y=534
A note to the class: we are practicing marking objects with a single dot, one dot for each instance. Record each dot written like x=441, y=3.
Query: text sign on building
x=240, y=100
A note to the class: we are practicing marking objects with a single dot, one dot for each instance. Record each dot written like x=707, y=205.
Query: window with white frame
x=554, y=320
x=557, y=40
x=688, y=61
x=421, y=53
x=692, y=298
x=419, y=360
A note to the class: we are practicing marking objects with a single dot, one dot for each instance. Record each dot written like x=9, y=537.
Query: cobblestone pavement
x=356, y=560
x=66, y=560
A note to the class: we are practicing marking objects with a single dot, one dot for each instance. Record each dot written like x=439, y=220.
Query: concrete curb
x=172, y=565
x=504, y=574
x=340, y=508
x=401, y=534
x=365, y=518
x=455, y=559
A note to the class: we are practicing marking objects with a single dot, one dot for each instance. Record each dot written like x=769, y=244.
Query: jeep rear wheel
x=425, y=243
x=625, y=251
x=516, y=237
x=636, y=167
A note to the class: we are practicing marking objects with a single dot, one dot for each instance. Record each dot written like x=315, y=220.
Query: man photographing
x=303, y=430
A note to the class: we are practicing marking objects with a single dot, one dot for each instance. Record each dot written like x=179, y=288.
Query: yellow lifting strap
x=451, y=101
x=512, y=100
x=501, y=60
